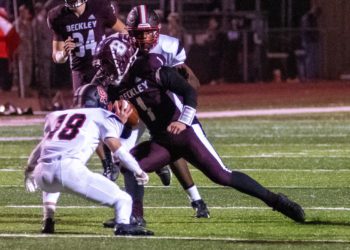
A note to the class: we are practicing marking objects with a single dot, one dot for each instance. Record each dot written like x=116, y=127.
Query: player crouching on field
x=58, y=163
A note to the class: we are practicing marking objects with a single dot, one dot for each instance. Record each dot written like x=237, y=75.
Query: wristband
x=128, y=160
x=187, y=115
x=60, y=57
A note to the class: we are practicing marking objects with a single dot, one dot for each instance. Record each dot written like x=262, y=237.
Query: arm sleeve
x=171, y=80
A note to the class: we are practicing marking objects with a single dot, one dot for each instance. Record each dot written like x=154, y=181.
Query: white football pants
x=71, y=175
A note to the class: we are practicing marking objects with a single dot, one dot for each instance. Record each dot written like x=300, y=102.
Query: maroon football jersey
x=158, y=101
x=87, y=30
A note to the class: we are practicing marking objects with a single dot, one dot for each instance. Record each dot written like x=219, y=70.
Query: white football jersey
x=170, y=48
x=76, y=133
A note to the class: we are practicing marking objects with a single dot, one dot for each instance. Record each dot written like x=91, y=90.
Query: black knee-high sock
x=248, y=185
x=135, y=191
x=107, y=152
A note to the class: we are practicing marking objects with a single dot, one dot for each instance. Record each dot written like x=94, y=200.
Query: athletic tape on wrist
x=60, y=57
x=187, y=115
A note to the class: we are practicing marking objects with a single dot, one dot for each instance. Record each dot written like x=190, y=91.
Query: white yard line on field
x=213, y=187
x=187, y=207
x=317, y=170
x=13, y=138
x=263, y=112
x=181, y=238
x=212, y=114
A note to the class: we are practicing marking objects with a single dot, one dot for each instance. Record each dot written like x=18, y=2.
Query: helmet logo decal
x=118, y=49
x=103, y=95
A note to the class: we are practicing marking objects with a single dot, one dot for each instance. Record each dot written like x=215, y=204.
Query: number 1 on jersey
x=143, y=106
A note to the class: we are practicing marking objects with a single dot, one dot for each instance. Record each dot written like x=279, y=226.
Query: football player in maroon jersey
x=167, y=105
x=78, y=26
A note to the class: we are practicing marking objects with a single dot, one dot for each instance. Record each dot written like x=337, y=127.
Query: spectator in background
x=259, y=50
x=42, y=57
x=9, y=41
x=231, y=68
x=310, y=37
x=174, y=27
x=214, y=44
x=23, y=63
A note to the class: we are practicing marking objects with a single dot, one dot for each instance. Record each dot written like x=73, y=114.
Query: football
x=134, y=118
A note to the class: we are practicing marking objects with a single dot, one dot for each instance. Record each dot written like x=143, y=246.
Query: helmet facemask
x=73, y=4
x=145, y=39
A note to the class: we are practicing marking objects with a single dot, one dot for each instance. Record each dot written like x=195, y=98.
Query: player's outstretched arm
x=29, y=181
x=127, y=160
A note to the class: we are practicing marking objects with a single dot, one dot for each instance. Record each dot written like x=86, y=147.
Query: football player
x=58, y=163
x=143, y=24
x=167, y=104
x=78, y=26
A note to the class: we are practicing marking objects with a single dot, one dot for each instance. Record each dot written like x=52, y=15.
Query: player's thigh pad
x=77, y=178
x=45, y=176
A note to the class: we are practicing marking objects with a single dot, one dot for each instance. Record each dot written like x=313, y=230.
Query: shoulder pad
x=55, y=14
x=169, y=44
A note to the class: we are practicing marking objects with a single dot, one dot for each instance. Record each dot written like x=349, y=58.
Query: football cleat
x=137, y=220
x=164, y=174
x=289, y=208
x=129, y=229
x=48, y=226
x=109, y=223
x=201, y=209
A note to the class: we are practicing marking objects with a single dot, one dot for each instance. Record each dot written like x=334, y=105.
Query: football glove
x=142, y=179
x=29, y=182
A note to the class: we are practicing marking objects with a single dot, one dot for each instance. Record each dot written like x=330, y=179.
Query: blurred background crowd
x=227, y=41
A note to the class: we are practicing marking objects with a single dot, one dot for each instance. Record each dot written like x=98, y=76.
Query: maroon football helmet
x=114, y=56
x=143, y=25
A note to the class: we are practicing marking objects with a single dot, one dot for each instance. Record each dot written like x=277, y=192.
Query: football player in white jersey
x=143, y=24
x=58, y=163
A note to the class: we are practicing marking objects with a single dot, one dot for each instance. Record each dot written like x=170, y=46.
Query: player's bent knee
x=125, y=197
